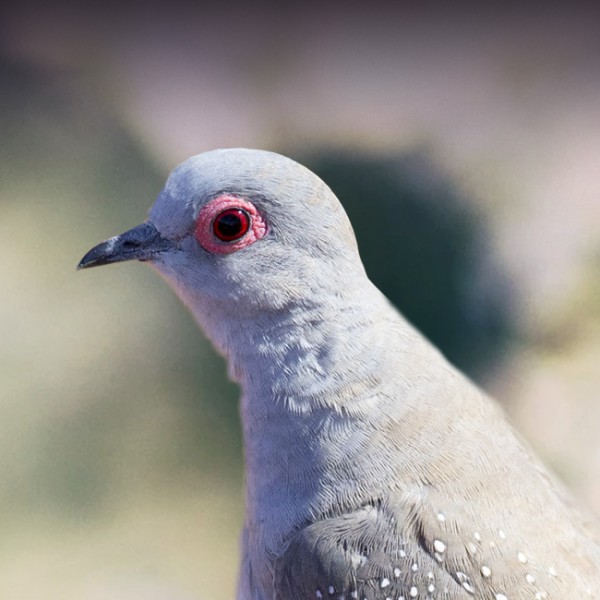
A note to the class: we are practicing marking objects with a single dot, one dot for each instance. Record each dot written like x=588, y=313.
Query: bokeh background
x=465, y=145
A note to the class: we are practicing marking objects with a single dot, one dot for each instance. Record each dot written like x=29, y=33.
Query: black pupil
x=231, y=224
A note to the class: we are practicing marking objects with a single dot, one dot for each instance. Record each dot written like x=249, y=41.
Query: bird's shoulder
x=406, y=548
x=362, y=554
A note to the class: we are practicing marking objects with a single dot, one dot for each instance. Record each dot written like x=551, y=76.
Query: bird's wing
x=363, y=555
x=404, y=549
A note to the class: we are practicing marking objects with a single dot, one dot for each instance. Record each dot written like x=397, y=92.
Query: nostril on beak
x=140, y=243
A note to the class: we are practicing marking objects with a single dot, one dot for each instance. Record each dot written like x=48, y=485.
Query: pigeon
x=375, y=470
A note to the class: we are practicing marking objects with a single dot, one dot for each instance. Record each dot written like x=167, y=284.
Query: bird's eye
x=231, y=224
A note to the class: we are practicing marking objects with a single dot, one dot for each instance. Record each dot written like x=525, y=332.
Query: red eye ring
x=231, y=224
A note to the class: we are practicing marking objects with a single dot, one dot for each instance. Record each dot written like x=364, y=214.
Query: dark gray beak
x=140, y=243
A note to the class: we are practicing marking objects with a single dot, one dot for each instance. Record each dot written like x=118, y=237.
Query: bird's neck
x=309, y=356
x=313, y=379
x=307, y=378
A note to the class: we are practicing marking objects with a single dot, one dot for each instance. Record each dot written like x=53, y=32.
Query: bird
x=374, y=469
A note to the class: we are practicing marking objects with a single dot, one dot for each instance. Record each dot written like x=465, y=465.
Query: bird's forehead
x=175, y=207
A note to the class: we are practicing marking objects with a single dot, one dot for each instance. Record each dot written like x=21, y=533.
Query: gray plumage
x=374, y=469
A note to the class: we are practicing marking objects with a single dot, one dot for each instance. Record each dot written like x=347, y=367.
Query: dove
x=374, y=470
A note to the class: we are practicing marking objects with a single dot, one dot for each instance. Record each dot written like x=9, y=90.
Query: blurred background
x=465, y=146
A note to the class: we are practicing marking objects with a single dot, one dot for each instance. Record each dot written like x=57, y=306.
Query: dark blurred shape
x=425, y=247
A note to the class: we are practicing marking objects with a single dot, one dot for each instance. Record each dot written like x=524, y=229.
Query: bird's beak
x=140, y=243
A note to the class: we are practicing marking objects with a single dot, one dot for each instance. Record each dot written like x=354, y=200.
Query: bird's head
x=243, y=227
